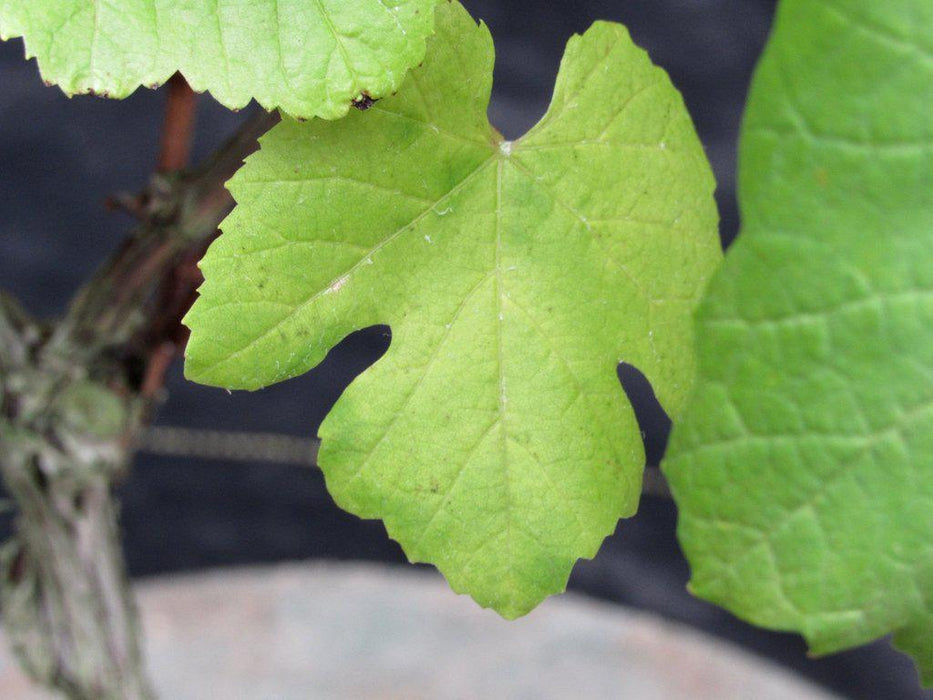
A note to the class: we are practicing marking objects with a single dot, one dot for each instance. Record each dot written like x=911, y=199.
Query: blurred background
x=60, y=158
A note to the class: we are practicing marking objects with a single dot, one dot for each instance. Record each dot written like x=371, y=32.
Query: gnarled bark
x=73, y=397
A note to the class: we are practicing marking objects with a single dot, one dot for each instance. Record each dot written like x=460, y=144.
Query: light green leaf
x=307, y=57
x=804, y=468
x=493, y=438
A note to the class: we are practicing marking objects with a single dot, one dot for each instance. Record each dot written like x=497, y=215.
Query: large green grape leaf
x=803, y=468
x=307, y=57
x=493, y=438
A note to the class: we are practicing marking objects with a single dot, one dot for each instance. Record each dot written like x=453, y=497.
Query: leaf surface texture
x=804, y=468
x=493, y=438
x=308, y=57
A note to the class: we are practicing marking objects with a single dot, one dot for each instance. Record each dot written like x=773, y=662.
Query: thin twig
x=277, y=448
x=178, y=126
x=160, y=359
x=229, y=446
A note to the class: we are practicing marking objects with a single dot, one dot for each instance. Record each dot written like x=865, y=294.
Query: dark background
x=60, y=158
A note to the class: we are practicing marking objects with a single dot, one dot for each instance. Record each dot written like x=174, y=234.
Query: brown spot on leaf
x=822, y=177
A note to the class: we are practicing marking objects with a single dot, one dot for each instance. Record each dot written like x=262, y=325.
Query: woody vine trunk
x=74, y=396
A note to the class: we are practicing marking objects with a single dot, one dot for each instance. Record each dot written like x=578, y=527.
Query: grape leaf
x=307, y=57
x=493, y=438
x=803, y=468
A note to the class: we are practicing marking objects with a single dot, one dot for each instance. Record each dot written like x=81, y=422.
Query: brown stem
x=166, y=335
x=178, y=126
x=183, y=211
x=159, y=361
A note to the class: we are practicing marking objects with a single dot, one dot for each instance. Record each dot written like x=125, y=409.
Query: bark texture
x=74, y=396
